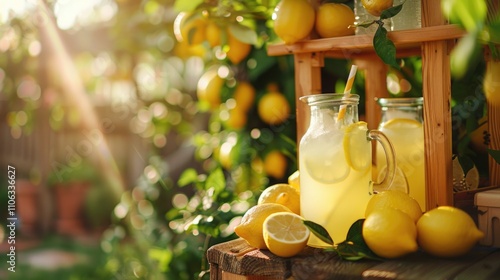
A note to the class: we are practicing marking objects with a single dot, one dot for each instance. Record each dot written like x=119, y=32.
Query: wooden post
x=494, y=131
x=307, y=81
x=437, y=111
x=375, y=86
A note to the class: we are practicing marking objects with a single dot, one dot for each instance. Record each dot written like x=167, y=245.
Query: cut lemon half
x=285, y=234
x=357, y=148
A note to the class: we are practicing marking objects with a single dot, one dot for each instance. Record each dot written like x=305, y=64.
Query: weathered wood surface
x=235, y=260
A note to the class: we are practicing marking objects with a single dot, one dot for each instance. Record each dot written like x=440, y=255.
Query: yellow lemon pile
x=395, y=226
x=274, y=223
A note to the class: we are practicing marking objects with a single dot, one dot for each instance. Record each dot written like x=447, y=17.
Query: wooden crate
x=433, y=43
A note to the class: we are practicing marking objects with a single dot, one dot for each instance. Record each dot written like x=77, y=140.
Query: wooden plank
x=237, y=261
x=437, y=112
x=350, y=45
x=237, y=257
x=487, y=268
x=423, y=266
x=307, y=81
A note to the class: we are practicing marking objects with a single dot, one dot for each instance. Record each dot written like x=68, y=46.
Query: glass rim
x=341, y=98
x=399, y=101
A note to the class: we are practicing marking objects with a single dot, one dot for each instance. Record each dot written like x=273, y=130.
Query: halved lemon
x=357, y=147
x=285, y=234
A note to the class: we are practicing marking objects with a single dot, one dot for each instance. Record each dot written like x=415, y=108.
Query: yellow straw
x=347, y=90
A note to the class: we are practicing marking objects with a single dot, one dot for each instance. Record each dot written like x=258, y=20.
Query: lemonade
x=335, y=165
x=401, y=123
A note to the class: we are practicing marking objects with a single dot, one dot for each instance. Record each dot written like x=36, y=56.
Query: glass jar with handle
x=335, y=163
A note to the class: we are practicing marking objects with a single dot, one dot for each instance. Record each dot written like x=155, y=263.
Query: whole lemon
x=273, y=108
x=394, y=199
x=190, y=28
x=375, y=7
x=390, y=233
x=209, y=88
x=283, y=194
x=293, y=20
x=294, y=180
x=334, y=20
x=244, y=94
x=251, y=226
x=238, y=50
x=491, y=83
x=275, y=164
x=447, y=231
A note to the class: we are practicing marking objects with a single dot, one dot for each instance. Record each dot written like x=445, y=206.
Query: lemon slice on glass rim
x=357, y=147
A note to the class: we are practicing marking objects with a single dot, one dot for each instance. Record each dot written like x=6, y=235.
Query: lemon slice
x=357, y=147
x=324, y=159
x=401, y=123
x=285, y=234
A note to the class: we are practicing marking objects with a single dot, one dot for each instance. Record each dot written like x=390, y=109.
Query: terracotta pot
x=27, y=207
x=70, y=199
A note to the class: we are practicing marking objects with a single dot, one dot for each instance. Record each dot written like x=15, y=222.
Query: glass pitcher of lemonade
x=335, y=163
x=402, y=123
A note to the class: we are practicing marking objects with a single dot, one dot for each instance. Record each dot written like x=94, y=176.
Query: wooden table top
x=237, y=258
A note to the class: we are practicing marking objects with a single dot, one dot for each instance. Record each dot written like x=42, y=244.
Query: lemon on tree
x=390, y=233
x=397, y=200
x=237, y=118
x=190, y=27
x=238, y=50
x=293, y=20
x=283, y=194
x=285, y=234
x=275, y=164
x=209, y=88
x=491, y=82
x=375, y=7
x=447, y=231
x=213, y=34
x=273, y=108
x=251, y=225
x=244, y=94
x=342, y=25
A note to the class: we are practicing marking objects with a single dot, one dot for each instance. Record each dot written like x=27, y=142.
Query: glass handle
x=389, y=156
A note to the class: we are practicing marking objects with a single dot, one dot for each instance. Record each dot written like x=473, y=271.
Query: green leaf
x=319, y=231
x=495, y=154
x=463, y=53
x=392, y=11
x=243, y=33
x=384, y=47
x=183, y=5
x=216, y=180
x=187, y=177
x=354, y=247
x=470, y=14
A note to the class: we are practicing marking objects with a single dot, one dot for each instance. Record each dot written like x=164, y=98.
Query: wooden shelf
x=235, y=260
x=406, y=41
